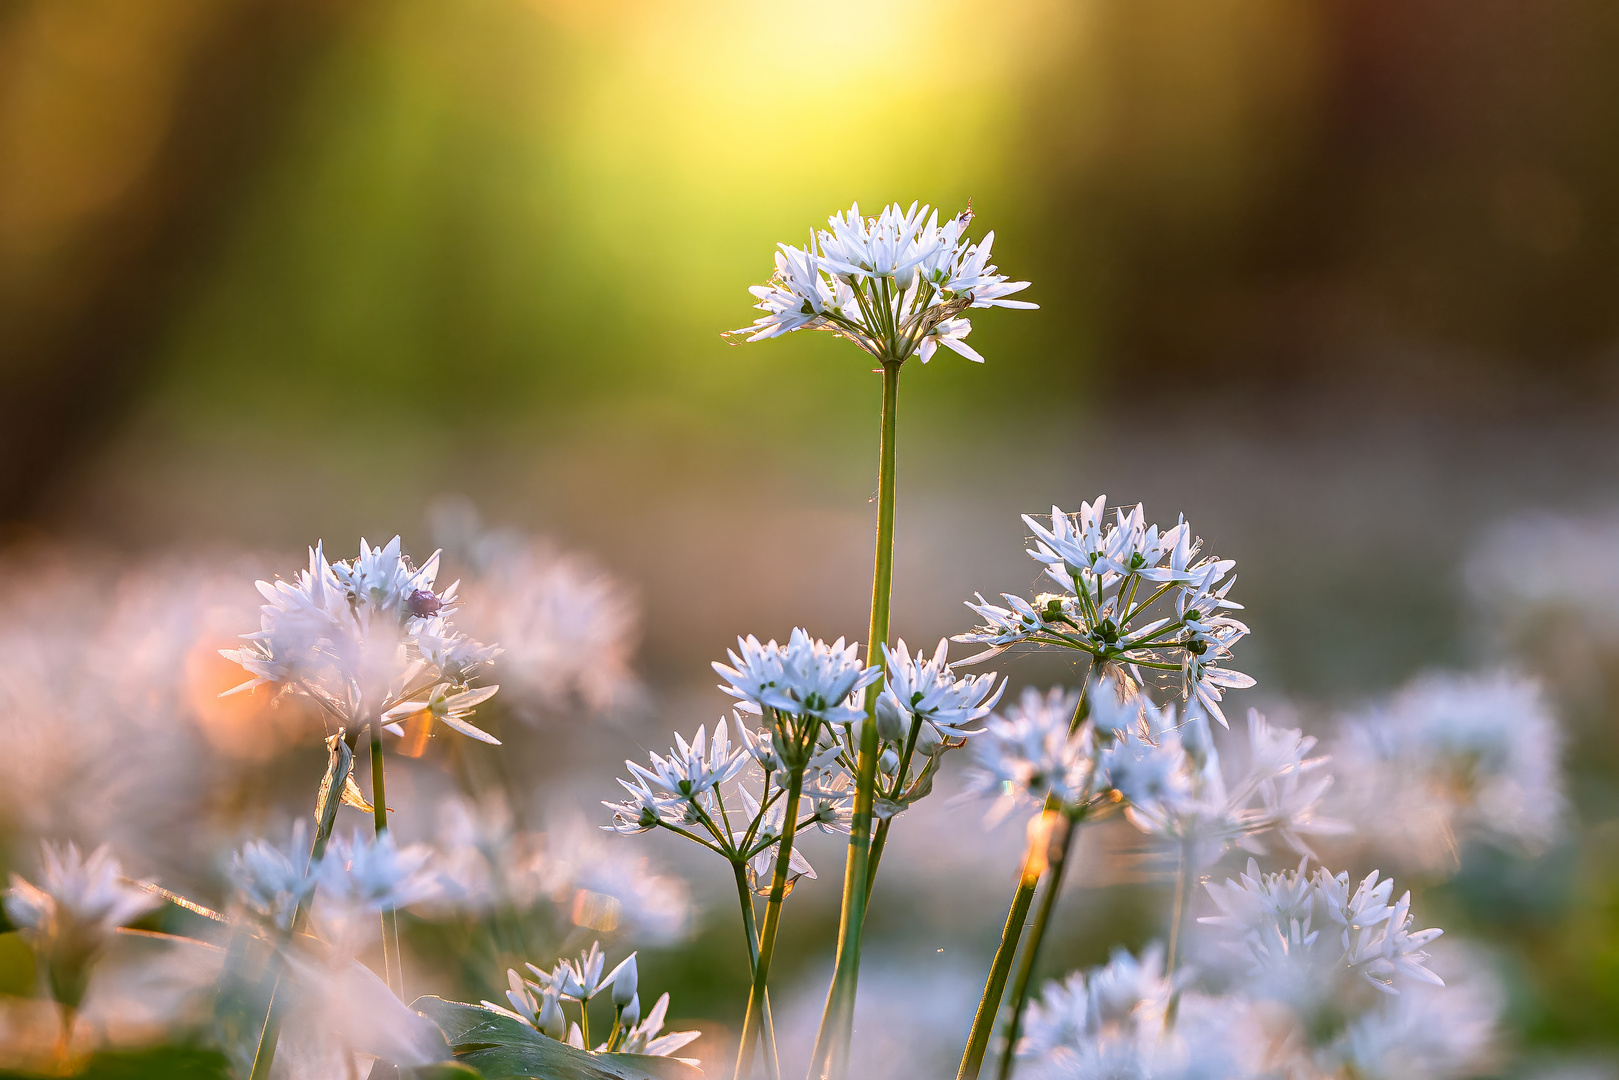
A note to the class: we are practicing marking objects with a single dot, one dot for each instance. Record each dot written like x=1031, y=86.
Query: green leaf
x=499, y=1046
x=152, y=1063
x=443, y=1070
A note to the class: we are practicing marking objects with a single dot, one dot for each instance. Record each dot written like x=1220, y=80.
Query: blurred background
x=1336, y=280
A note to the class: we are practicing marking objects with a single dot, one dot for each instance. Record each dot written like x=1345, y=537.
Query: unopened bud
x=551, y=1020
x=892, y=724
x=928, y=740
x=632, y=1012
x=625, y=982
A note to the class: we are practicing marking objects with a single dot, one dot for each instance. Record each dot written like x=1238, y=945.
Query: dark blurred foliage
x=345, y=203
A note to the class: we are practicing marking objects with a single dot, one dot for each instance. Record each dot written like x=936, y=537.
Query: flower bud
x=928, y=740
x=892, y=724
x=551, y=1020
x=889, y=761
x=632, y=1012
x=625, y=982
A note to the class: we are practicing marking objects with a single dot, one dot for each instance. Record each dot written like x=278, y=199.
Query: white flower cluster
x=1028, y=753
x=370, y=640
x=1448, y=759
x=730, y=797
x=1308, y=940
x=361, y=877
x=567, y=629
x=1331, y=981
x=805, y=678
x=79, y=903
x=897, y=284
x=538, y=1002
x=1113, y=575
x=487, y=864
x=1168, y=775
x=1114, y=1021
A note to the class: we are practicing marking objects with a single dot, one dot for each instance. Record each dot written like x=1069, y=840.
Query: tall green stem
x=392, y=968
x=1034, y=864
x=1031, y=951
x=767, y=939
x=744, y=896
x=837, y=1022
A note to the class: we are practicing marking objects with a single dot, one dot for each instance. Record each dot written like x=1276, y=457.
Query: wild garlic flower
x=369, y=640
x=1309, y=940
x=1428, y=1031
x=582, y=979
x=1029, y=753
x=693, y=768
x=359, y=878
x=1452, y=758
x=805, y=678
x=898, y=285
x=771, y=821
x=1174, y=786
x=1113, y=1021
x=644, y=1037
x=537, y=1002
x=920, y=689
x=567, y=628
x=1113, y=575
x=272, y=881
x=79, y=903
x=605, y=887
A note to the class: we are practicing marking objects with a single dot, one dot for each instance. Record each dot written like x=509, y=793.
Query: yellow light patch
x=596, y=911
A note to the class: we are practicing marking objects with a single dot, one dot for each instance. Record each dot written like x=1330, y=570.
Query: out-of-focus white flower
x=1310, y=942
x=364, y=638
x=272, y=881
x=109, y=706
x=1426, y=1031
x=567, y=628
x=79, y=901
x=896, y=284
x=1029, y=753
x=1451, y=758
x=927, y=690
x=605, y=887
x=1113, y=575
x=359, y=878
x=1172, y=778
x=1112, y=1022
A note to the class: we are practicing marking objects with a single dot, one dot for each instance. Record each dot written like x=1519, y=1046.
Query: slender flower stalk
x=332, y=787
x=1070, y=781
x=767, y=938
x=1034, y=865
x=897, y=285
x=1037, y=934
x=392, y=963
x=838, y=1020
x=751, y=931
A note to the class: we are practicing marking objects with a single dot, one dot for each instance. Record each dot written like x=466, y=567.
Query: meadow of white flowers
x=1285, y=949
